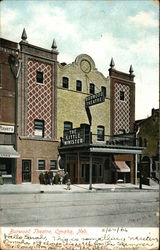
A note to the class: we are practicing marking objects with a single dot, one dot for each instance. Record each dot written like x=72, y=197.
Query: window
x=78, y=85
x=122, y=95
x=65, y=82
x=41, y=164
x=67, y=126
x=103, y=89
x=39, y=76
x=39, y=128
x=92, y=88
x=53, y=164
x=100, y=133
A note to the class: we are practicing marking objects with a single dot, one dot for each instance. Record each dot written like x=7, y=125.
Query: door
x=26, y=170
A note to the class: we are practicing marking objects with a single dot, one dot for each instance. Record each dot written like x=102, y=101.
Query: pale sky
x=126, y=30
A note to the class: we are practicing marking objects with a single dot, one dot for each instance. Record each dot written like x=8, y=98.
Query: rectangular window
x=41, y=164
x=122, y=95
x=92, y=88
x=39, y=76
x=100, y=133
x=103, y=89
x=39, y=128
x=53, y=164
x=78, y=85
x=65, y=82
x=67, y=126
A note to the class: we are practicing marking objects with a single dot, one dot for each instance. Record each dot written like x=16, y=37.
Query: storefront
x=100, y=162
x=8, y=156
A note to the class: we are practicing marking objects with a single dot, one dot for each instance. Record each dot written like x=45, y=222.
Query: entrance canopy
x=7, y=151
x=122, y=167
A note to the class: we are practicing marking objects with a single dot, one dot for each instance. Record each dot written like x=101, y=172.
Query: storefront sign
x=74, y=136
x=6, y=129
x=94, y=99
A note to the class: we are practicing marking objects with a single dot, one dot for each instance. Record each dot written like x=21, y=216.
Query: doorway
x=26, y=170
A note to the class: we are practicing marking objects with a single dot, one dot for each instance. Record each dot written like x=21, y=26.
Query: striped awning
x=7, y=151
x=122, y=166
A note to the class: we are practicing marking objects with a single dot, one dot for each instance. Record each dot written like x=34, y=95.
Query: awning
x=122, y=166
x=8, y=152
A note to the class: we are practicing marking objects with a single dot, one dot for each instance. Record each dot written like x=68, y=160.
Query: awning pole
x=90, y=172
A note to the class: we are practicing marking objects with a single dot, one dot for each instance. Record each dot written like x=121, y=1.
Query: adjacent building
x=148, y=134
x=37, y=111
x=8, y=72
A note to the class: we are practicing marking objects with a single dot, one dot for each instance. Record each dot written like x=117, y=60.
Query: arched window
x=65, y=82
x=100, y=133
x=92, y=88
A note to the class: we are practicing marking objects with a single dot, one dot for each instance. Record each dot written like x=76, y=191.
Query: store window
x=39, y=128
x=103, y=90
x=53, y=164
x=41, y=164
x=92, y=88
x=100, y=170
x=67, y=126
x=79, y=85
x=122, y=95
x=65, y=82
x=39, y=76
x=100, y=133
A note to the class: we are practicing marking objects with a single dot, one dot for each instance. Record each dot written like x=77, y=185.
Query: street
x=98, y=209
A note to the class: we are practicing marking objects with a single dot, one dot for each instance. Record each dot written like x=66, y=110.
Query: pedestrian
x=66, y=177
x=50, y=176
x=68, y=184
x=46, y=178
x=41, y=178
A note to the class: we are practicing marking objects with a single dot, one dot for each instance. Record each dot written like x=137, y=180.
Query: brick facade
x=122, y=111
x=37, y=101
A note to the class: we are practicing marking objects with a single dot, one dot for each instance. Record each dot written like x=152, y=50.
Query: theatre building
x=8, y=151
x=95, y=122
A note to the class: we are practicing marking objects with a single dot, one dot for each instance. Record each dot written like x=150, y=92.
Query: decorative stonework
x=39, y=97
x=121, y=109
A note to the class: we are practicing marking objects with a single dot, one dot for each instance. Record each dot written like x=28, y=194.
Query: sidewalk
x=76, y=188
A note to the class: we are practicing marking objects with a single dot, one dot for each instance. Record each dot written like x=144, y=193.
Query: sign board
x=6, y=129
x=74, y=136
x=94, y=99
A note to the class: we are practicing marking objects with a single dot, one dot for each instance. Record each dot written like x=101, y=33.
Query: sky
x=127, y=30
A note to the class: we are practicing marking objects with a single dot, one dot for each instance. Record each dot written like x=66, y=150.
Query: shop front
x=8, y=156
x=88, y=162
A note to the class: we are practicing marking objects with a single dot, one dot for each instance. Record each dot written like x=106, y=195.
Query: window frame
x=37, y=128
x=55, y=165
x=104, y=90
x=122, y=95
x=92, y=87
x=39, y=79
x=63, y=82
x=68, y=123
x=99, y=136
x=38, y=165
x=80, y=82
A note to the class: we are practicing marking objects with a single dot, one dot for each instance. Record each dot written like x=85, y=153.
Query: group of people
x=48, y=177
